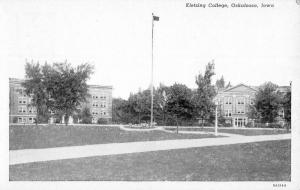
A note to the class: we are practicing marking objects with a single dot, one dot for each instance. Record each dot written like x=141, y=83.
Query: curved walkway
x=39, y=155
x=219, y=134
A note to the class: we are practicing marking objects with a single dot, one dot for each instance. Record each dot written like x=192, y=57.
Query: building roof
x=15, y=81
x=284, y=89
x=100, y=86
x=241, y=84
x=19, y=81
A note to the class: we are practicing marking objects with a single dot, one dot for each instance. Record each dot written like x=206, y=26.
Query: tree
x=179, y=103
x=57, y=87
x=121, y=112
x=228, y=85
x=287, y=106
x=85, y=115
x=162, y=98
x=203, y=98
x=140, y=105
x=137, y=108
x=67, y=86
x=253, y=113
x=220, y=83
x=35, y=88
x=267, y=103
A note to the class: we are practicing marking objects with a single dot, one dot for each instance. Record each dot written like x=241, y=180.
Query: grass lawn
x=246, y=132
x=262, y=161
x=30, y=137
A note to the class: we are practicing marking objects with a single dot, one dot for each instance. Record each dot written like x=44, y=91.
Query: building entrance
x=240, y=122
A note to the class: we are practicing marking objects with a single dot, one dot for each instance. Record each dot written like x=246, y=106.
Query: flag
x=155, y=18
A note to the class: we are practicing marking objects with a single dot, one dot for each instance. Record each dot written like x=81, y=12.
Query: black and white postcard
x=200, y=94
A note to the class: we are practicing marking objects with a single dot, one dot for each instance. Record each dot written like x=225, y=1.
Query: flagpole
x=151, y=121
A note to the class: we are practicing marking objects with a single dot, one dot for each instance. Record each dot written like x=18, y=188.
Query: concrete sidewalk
x=38, y=155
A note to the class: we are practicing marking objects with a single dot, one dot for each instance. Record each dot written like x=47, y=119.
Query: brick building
x=19, y=109
x=99, y=103
x=234, y=103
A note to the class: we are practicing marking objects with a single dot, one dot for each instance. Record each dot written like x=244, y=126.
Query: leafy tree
x=57, y=87
x=162, y=98
x=67, y=86
x=140, y=105
x=35, y=87
x=121, y=112
x=102, y=121
x=85, y=115
x=253, y=113
x=179, y=103
x=267, y=103
x=203, y=98
x=228, y=85
x=287, y=106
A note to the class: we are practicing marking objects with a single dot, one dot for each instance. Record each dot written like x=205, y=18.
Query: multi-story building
x=99, y=102
x=20, y=110
x=234, y=103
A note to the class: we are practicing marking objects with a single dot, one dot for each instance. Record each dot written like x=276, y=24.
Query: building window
x=19, y=91
x=21, y=119
x=95, y=97
x=30, y=120
x=228, y=113
x=33, y=110
x=241, y=100
x=22, y=100
x=240, y=111
x=103, y=105
x=22, y=109
x=95, y=104
x=228, y=100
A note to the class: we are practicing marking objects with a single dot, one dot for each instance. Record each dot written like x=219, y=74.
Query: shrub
x=102, y=121
x=85, y=116
x=249, y=125
x=227, y=125
x=86, y=120
x=274, y=125
x=267, y=125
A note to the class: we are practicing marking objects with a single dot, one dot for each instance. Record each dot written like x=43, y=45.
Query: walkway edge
x=59, y=153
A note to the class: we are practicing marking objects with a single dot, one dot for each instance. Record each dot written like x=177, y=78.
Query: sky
x=248, y=45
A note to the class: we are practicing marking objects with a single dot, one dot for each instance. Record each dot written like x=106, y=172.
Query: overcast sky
x=249, y=45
